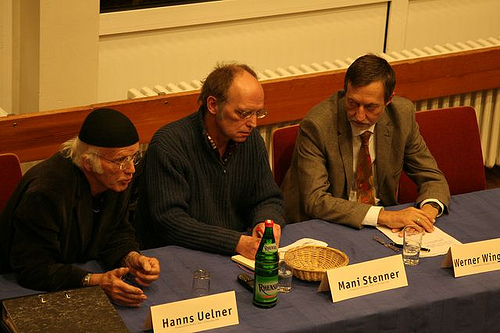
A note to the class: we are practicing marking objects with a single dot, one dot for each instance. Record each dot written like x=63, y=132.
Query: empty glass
x=201, y=283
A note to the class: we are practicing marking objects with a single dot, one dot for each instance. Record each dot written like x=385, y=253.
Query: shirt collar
x=356, y=131
x=231, y=145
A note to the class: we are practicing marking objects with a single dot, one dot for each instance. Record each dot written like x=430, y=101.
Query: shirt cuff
x=441, y=206
x=371, y=216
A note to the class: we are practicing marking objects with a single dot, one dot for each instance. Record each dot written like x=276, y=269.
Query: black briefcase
x=76, y=310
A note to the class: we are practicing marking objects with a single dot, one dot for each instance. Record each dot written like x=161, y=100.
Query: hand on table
x=144, y=269
x=397, y=220
x=247, y=246
x=118, y=290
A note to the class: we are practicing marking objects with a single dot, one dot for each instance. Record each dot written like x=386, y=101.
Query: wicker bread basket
x=310, y=262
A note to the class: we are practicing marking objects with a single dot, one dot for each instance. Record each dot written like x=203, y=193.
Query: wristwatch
x=86, y=280
x=435, y=205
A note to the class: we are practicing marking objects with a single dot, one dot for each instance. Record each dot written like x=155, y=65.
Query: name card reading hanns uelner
x=365, y=278
x=196, y=314
x=473, y=258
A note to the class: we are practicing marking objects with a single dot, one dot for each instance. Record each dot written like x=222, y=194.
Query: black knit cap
x=108, y=128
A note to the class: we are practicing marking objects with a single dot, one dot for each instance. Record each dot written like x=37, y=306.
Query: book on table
x=75, y=310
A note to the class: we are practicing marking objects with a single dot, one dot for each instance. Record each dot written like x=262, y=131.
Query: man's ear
x=390, y=98
x=86, y=164
x=212, y=105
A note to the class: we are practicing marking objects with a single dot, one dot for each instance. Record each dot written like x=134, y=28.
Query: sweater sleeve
x=268, y=198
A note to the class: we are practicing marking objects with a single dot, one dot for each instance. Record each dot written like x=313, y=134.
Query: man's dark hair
x=370, y=68
x=219, y=80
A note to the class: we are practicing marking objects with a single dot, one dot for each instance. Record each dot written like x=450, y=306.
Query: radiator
x=486, y=103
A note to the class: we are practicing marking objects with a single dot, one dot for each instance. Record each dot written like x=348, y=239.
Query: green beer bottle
x=265, y=291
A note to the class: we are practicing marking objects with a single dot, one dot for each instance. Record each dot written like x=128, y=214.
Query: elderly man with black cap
x=72, y=208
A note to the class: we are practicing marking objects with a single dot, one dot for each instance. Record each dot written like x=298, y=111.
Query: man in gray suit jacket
x=321, y=181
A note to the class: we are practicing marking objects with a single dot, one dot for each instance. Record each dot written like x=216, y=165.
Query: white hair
x=79, y=151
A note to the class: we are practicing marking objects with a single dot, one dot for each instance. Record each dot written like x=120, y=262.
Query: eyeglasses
x=247, y=114
x=124, y=162
x=262, y=113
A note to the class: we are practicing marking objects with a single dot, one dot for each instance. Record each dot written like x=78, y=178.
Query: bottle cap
x=269, y=223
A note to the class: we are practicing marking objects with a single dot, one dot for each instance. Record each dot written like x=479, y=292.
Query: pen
x=401, y=246
x=390, y=246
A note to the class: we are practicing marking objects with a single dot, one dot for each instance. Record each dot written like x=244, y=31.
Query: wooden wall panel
x=38, y=135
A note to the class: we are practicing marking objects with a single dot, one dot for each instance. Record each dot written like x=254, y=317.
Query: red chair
x=283, y=144
x=10, y=174
x=452, y=135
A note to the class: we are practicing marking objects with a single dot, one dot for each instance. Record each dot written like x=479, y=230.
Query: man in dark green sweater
x=207, y=181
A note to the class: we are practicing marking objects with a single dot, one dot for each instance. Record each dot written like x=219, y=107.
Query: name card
x=365, y=278
x=473, y=258
x=196, y=314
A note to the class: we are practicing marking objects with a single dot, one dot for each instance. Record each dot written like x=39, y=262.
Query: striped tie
x=364, y=174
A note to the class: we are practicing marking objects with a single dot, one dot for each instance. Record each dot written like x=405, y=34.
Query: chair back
x=283, y=144
x=10, y=174
x=452, y=135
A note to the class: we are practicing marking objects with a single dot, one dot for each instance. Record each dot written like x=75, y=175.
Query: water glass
x=412, y=242
x=284, y=274
x=201, y=283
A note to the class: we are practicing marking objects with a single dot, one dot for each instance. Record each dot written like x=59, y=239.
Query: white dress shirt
x=371, y=216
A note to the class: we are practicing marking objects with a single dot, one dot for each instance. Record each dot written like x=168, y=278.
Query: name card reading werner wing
x=196, y=314
x=473, y=258
x=365, y=278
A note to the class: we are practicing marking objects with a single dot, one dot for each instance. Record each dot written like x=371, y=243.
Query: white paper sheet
x=437, y=241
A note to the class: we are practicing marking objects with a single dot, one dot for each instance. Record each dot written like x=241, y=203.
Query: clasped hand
x=421, y=218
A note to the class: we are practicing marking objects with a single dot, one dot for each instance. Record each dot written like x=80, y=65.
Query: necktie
x=364, y=174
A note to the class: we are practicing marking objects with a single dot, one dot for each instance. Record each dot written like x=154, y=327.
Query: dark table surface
x=433, y=301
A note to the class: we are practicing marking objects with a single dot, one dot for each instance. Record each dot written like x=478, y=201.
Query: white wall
x=187, y=53
x=69, y=53
x=432, y=22
x=49, y=54
x=84, y=58
x=6, y=24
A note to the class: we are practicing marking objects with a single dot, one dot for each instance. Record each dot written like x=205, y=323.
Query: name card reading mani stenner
x=196, y=314
x=473, y=258
x=365, y=278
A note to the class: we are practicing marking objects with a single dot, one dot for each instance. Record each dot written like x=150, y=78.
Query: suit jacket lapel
x=345, y=144
x=383, y=147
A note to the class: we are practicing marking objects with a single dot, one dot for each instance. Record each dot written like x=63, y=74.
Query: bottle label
x=270, y=248
x=266, y=288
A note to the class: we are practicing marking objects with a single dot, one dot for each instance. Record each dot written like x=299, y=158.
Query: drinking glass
x=284, y=274
x=412, y=242
x=201, y=283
